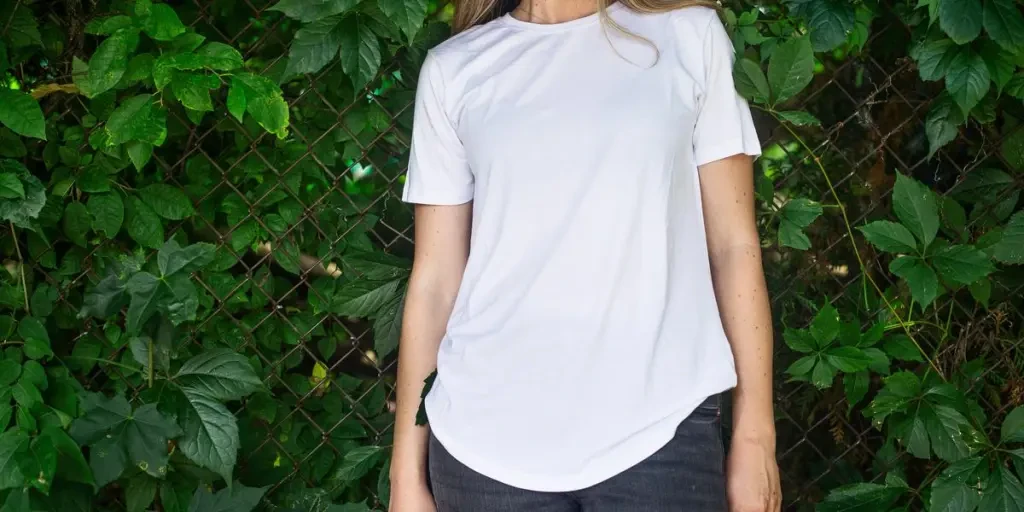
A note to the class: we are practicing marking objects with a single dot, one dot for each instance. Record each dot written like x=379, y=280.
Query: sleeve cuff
x=414, y=195
x=725, y=149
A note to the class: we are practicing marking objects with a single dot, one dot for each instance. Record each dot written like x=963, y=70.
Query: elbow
x=433, y=286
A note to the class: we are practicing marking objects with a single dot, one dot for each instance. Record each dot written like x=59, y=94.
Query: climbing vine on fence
x=205, y=254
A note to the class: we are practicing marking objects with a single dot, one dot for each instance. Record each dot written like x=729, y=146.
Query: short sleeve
x=438, y=171
x=724, y=126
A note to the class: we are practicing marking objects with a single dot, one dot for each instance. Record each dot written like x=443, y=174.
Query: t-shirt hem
x=726, y=149
x=651, y=438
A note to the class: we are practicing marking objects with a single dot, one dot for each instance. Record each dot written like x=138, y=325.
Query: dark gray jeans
x=686, y=475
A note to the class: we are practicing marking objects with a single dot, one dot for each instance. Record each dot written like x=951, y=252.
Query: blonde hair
x=469, y=13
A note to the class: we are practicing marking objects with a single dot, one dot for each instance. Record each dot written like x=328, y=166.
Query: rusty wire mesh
x=872, y=106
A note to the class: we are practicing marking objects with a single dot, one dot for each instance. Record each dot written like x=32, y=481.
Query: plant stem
x=149, y=373
x=853, y=242
x=21, y=267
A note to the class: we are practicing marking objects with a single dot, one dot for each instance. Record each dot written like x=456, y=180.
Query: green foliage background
x=206, y=254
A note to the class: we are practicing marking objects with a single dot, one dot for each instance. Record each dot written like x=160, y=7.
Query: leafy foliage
x=181, y=210
x=206, y=257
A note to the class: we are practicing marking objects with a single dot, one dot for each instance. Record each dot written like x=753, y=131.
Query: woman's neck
x=554, y=11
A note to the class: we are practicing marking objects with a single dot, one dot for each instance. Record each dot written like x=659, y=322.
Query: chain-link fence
x=311, y=239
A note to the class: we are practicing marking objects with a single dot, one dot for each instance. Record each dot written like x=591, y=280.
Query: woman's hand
x=410, y=497
x=752, y=475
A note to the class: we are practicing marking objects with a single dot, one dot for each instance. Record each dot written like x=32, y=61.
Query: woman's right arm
x=442, y=247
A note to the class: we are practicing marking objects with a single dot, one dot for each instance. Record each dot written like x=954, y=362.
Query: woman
x=587, y=277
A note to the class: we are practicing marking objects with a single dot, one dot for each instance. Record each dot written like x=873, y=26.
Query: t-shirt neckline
x=553, y=27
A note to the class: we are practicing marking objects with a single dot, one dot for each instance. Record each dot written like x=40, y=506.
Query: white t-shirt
x=586, y=327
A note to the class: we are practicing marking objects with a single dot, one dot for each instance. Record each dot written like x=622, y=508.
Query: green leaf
x=960, y=19
x=1010, y=247
x=943, y=123
x=968, y=80
x=107, y=25
x=236, y=498
x=408, y=15
x=1004, y=23
x=11, y=187
x=108, y=460
x=76, y=223
x=120, y=437
x=167, y=201
x=375, y=266
x=946, y=428
x=790, y=69
x=798, y=118
x=184, y=299
x=10, y=370
x=211, y=434
x=17, y=501
x=140, y=492
x=751, y=82
x=26, y=394
x=146, y=291
x=917, y=208
x=143, y=225
x=956, y=490
x=106, y=212
x=359, y=50
x=172, y=258
x=889, y=237
x=141, y=346
x=12, y=442
x=830, y=21
x=800, y=340
x=802, y=368
x=221, y=374
x=264, y=102
x=1000, y=64
x=861, y=497
x=1015, y=87
x=823, y=374
x=313, y=10
x=387, y=328
x=236, y=99
x=924, y=284
x=193, y=89
x=21, y=28
x=22, y=114
x=856, y=386
x=220, y=56
x=314, y=46
x=137, y=119
x=364, y=298
x=1013, y=427
x=37, y=340
x=933, y=56
x=961, y=264
x=791, y=235
x=847, y=359
x=1003, y=492
x=357, y=462
x=162, y=23
x=980, y=184
x=187, y=42
x=902, y=348
x=105, y=299
x=139, y=153
x=107, y=64
x=825, y=326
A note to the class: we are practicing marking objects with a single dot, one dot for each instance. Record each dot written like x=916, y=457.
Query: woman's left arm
x=734, y=247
